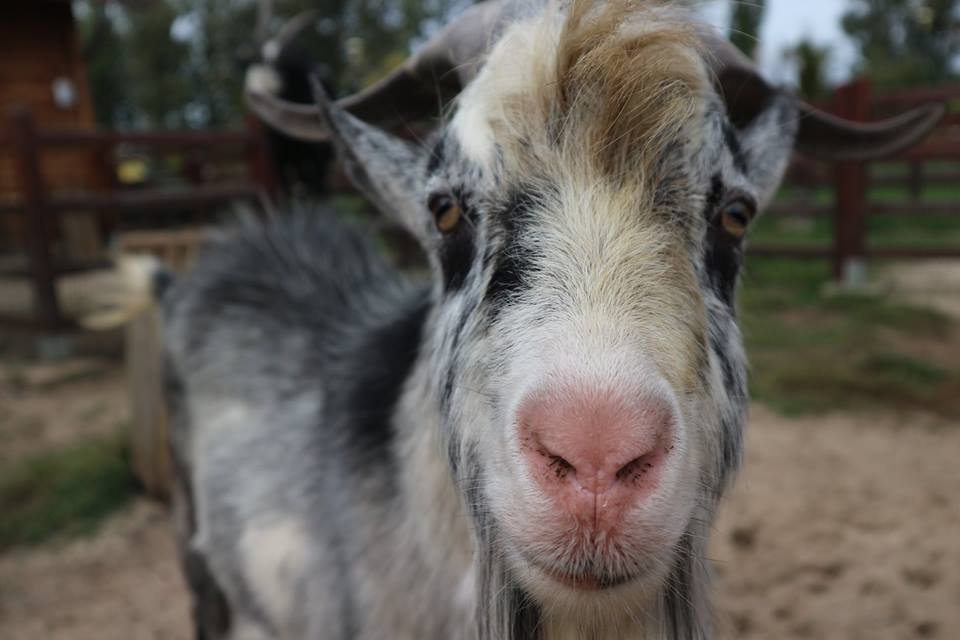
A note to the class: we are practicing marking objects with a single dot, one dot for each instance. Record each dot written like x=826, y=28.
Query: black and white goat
x=283, y=69
x=533, y=443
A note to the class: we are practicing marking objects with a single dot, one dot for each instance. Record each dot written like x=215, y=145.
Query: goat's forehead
x=606, y=89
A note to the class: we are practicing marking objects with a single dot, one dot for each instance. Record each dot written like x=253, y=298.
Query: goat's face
x=584, y=212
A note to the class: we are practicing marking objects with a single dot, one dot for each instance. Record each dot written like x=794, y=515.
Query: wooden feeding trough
x=149, y=437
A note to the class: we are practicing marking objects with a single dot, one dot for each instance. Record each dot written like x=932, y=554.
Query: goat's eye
x=446, y=212
x=735, y=216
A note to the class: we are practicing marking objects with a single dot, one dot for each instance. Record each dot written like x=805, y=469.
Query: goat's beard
x=654, y=595
x=676, y=607
x=670, y=602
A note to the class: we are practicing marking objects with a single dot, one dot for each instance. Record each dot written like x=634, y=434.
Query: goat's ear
x=767, y=142
x=390, y=171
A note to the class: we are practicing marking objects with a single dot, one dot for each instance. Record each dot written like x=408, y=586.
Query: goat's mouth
x=565, y=557
x=592, y=578
x=587, y=581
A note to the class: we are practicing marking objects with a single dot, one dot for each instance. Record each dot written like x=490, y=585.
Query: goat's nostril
x=633, y=471
x=560, y=467
x=556, y=465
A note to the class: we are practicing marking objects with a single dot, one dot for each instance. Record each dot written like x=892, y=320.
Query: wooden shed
x=42, y=69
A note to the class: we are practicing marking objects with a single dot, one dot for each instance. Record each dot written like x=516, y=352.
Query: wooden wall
x=39, y=43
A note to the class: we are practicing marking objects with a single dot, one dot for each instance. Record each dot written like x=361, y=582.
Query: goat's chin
x=562, y=564
x=595, y=599
x=573, y=569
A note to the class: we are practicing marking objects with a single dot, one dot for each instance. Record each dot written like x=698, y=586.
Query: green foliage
x=811, y=60
x=223, y=43
x=106, y=69
x=157, y=65
x=63, y=492
x=170, y=63
x=745, y=24
x=906, y=42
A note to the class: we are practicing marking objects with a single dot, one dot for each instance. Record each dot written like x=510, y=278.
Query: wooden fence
x=851, y=183
x=40, y=207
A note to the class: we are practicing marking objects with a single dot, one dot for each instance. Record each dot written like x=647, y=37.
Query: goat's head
x=280, y=67
x=584, y=210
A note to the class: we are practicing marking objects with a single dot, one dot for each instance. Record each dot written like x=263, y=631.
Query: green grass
x=814, y=352
x=64, y=492
x=901, y=230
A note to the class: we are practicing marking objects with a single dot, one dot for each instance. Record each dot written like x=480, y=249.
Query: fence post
x=106, y=175
x=853, y=102
x=262, y=168
x=33, y=191
x=916, y=179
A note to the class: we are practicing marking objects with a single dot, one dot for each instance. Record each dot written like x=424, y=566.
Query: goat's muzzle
x=595, y=454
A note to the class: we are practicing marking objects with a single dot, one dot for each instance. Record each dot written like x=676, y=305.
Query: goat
x=283, y=70
x=533, y=443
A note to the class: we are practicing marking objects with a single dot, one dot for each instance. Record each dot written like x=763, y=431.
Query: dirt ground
x=839, y=527
x=843, y=527
x=35, y=418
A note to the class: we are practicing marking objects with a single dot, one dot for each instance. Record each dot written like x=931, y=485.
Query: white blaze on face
x=471, y=125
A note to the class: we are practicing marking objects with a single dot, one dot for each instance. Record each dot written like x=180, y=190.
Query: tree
x=103, y=51
x=158, y=65
x=183, y=62
x=906, y=42
x=222, y=42
x=745, y=24
x=811, y=60
x=136, y=69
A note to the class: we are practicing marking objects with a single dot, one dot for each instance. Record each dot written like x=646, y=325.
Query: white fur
x=263, y=78
x=276, y=555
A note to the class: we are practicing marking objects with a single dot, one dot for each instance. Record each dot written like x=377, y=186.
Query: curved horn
x=273, y=47
x=823, y=135
x=300, y=121
x=820, y=134
x=418, y=88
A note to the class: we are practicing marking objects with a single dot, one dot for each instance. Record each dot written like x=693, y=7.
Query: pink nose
x=595, y=454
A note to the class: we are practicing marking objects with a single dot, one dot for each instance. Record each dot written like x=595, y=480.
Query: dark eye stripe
x=457, y=244
x=514, y=258
x=508, y=277
x=723, y=254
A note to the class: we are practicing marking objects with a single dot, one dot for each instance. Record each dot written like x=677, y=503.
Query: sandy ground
x=843, y=527
x=33, y=419
x=839, y=527
x=123, y=584
x=933, y=283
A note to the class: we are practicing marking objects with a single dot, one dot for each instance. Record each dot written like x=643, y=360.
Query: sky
x=787, y=22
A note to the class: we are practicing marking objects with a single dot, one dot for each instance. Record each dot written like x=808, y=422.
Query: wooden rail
x=850, y=183
x=40, y=208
